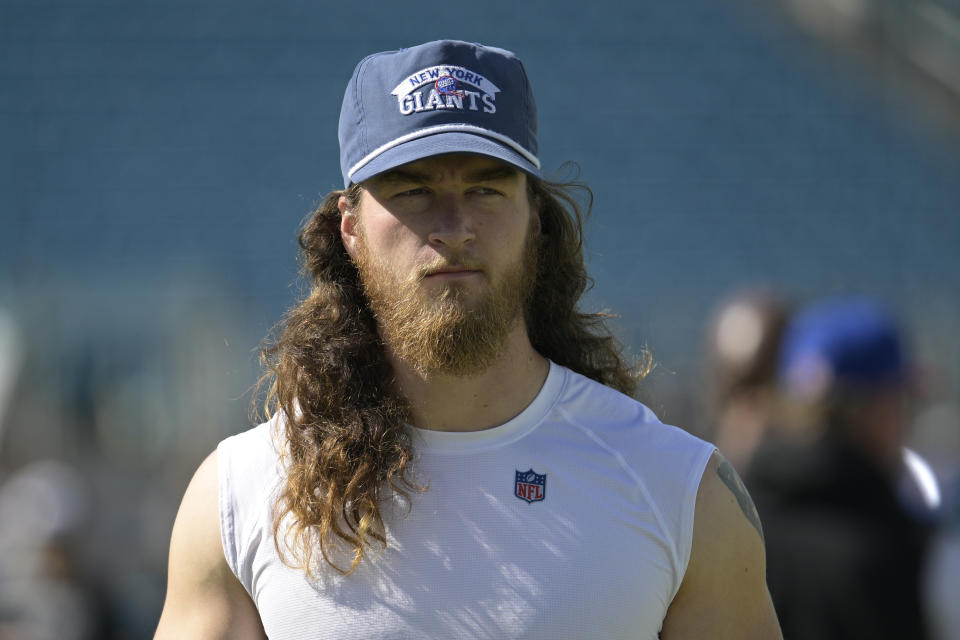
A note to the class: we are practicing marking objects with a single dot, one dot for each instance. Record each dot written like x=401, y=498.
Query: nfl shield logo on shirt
x=530, y=486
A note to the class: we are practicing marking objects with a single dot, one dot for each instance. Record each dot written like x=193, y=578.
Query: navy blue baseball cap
x=851, y=342
x=440, y=97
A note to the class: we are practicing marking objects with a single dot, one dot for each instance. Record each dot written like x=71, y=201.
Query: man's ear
x=349, y=227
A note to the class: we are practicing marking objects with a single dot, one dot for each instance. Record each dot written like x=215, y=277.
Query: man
x=941, y=582
x=846, y=554
x=743, y=348
x=443, y=460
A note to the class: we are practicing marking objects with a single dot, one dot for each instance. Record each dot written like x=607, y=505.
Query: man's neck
x=472, y=403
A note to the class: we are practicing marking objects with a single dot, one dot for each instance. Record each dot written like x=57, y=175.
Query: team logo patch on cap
x=447, y=86
x=530, y=486
x=446, y=92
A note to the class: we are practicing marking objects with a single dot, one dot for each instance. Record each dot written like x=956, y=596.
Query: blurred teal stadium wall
x=157, y=158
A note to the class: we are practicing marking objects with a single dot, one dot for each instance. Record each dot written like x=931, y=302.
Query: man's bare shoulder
x=204, y=598
x=724, y=592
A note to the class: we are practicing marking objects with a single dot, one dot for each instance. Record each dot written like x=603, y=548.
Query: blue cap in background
x=851, y=342
x=440, y=97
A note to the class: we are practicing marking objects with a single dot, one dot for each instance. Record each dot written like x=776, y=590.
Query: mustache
x=447, y=264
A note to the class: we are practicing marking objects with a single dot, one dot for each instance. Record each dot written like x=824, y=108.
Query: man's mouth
x=451, y=273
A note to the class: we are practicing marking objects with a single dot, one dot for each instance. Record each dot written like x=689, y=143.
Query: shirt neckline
x=453, y=442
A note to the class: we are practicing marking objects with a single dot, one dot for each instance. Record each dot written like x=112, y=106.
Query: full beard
x=443, y=332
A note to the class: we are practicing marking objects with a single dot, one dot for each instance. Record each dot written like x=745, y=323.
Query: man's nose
x=451, y=224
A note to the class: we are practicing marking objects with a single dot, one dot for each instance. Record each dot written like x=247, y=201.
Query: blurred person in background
x=533, y=498
x=845, y=546
x=942, y=584
x=743, y=350
x=43, y=594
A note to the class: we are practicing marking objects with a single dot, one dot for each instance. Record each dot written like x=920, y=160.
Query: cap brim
x=439, y=144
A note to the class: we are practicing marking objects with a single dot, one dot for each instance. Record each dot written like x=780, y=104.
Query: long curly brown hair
x=328, y=375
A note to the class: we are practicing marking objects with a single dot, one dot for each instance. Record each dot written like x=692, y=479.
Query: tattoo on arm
x=737, y=488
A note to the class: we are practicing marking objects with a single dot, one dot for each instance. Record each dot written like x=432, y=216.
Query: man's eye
x=419, y=191
x=485, y=191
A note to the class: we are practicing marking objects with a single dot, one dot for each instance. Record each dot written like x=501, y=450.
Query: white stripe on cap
x=445, y=128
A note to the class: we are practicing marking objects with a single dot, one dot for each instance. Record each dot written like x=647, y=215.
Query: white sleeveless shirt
x=572, y=520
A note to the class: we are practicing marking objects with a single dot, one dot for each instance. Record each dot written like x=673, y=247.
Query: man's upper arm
x=204, y=599
x=724, y=592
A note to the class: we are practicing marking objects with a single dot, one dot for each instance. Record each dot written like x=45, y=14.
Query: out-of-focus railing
x=911, y=46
